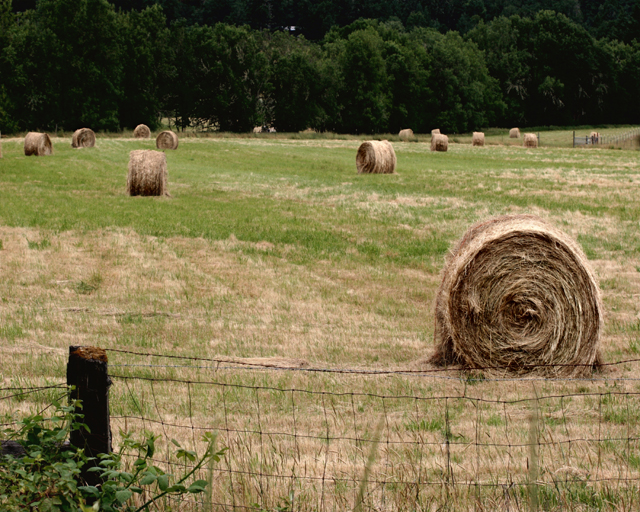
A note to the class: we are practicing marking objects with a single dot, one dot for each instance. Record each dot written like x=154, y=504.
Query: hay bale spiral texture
x=406, y=134
x=83, y=138
x=142, y=132
x=514, y=133
x=518, y=295
x=439, y=142
x=167, y=140
x=530, y=140
x=38, y=144
x=376, y=157
x=147, y=173
x=477, y=139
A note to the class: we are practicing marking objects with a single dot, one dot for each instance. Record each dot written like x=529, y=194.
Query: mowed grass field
x=272, y=250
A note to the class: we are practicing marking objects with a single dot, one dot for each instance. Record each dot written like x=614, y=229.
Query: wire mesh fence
x=336, y=439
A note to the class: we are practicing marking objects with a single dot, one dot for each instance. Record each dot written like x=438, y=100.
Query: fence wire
x=304, y=440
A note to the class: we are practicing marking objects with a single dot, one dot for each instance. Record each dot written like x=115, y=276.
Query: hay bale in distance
x=439, y=142
x=147, y=173
x=257, y=129
x=376, y=157
x=514, y=133
x=142, y=132
x=406, y=134
x=83, y=138
x=530, y=140
x=595, y=137
x=38, y=144
x=435, y=131
x=477, y=139
x=518, y=295
x=167, y=140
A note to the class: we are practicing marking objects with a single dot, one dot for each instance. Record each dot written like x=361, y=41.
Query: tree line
x=71, y=63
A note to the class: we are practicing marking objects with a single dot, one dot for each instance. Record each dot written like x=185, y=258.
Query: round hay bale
x=477, y=139
x=376, y=157
x=518, y=295
x=435, y=131
x=147, y=173
x=406, y=134
x=439, y=143
x=530, y=140
x=38, y=144
x=514, y=133
x=142, y=132
x=167, y=140
x=83, y=138
x=257, y=129
x=595, y=137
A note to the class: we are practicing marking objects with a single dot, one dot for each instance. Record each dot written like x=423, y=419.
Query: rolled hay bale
x=530, y=140
x=406, y=134
x=595, y=137
x=83, y=138
x=147, y=173
x=477, y=139
x=376, y=157
x=142, y=132
x=514, y=133
x=518, y=295
x=439, y=143
x=257, y=129
x=167, y=140
x=435, y=131
x=38, y=144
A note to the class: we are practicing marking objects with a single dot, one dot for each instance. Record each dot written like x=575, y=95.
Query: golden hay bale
x=142, y=132
x=477, y=139
x=257, y=129
x=167, y=140
x=83, y=138
x=435, y=131
x=514, y=133
x=518, y=295
x=376, y=157
x=406, y=134
x=439, y=143
x=147, y=173
x=38, y=144
x=530, y=140
x=595, y=137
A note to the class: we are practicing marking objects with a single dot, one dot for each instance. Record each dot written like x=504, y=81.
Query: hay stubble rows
x=272, y=248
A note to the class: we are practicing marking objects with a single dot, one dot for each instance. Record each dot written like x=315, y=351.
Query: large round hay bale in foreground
x=439, y=142
x=530, y=140
x=514, y=133
x=406, y=134
x=142, y=132
x=518, y=295
x=477, y=139
x=83, y=138
x=147, y=173
x=167, y=140
x=376, y=157
x=38, y=144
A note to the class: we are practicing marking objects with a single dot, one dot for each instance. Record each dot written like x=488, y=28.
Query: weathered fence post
x=87, y=372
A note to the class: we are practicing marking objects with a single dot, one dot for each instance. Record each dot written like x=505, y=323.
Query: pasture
x=273, y=253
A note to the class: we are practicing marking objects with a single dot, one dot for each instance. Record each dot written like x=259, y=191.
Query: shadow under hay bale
x=477, y=139
x=38, y=144
x=167, y=140
x=142, y=132
x=530, y=140
x=406, y=134
x=518, y=295
x=514, y=133
x=83, y=138
x=439, y=142
x=376, y=157
x=147, y=173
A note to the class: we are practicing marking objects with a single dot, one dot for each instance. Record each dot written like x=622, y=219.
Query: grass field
x=272, y=250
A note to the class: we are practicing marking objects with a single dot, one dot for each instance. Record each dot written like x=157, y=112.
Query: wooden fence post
x=87, y=372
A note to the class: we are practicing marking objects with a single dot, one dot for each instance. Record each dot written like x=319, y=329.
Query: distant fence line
x=309, y=444
x=603, y=140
